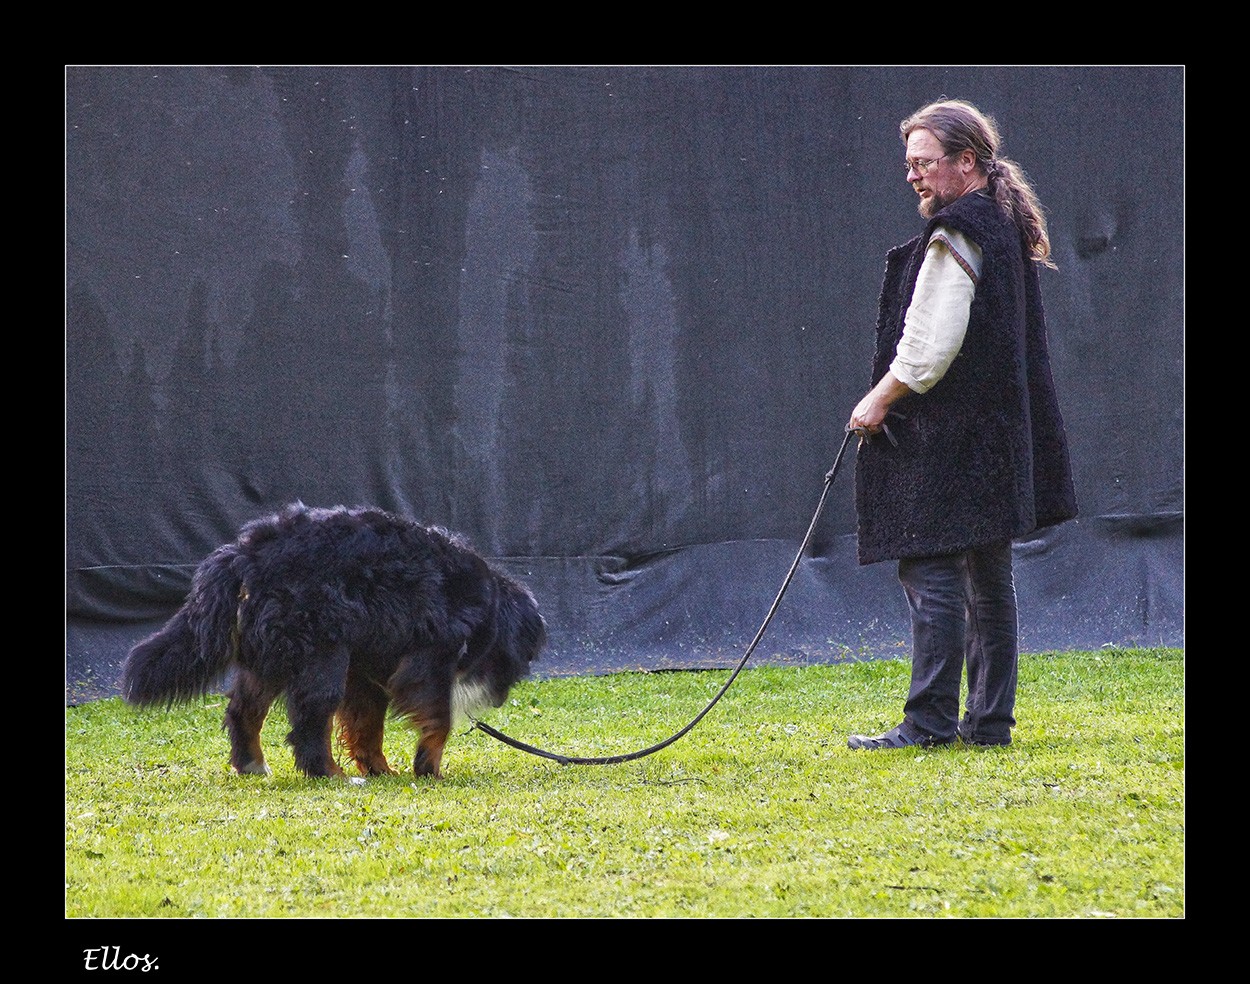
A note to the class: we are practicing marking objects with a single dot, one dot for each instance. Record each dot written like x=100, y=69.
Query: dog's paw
x=375, y=767
x=426, y=763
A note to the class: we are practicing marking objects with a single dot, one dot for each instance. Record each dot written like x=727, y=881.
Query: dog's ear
x=481, y=618
x=520, y=621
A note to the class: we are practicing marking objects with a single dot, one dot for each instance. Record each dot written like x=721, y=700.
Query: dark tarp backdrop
x=608, y=322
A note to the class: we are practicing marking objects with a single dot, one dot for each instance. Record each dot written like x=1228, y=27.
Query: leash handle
x=865, y=434
x=629, y=756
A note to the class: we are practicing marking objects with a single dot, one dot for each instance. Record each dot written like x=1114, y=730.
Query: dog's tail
x=197, y=645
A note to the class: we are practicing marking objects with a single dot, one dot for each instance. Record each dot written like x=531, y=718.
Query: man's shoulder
x=978, y=216
x=979, y=204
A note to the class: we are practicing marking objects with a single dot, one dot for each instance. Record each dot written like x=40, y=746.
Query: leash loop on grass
x=614, y=759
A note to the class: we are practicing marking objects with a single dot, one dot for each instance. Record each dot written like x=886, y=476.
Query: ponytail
x=1016, y=197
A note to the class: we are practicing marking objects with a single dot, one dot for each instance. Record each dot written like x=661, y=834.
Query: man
x=962, y=444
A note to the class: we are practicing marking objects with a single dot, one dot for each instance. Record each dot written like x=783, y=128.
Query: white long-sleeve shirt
x=937, y=318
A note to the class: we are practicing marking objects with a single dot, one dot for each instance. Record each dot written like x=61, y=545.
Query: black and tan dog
x=346, y=612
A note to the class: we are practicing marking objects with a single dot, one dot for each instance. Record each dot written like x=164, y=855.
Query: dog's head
x=510, y=636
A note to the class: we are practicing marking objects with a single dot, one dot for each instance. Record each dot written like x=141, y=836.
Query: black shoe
x=982, y=742
x=894, y=738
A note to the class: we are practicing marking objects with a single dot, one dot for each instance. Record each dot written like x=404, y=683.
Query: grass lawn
x=761, y=811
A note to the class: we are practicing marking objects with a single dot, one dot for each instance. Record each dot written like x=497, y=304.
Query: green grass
x=760, y=811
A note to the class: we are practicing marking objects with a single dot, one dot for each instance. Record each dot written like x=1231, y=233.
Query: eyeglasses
x=922, y=167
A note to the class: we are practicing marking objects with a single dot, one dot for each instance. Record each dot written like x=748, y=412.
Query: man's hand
x=870, y=412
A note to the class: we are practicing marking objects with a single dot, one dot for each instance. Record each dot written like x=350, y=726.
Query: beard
x=929, y=207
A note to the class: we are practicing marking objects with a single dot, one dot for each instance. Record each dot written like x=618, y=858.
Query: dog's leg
x=312, y=698
x=250, y=700
x=435, y=725
x=421, y=694
x=362, y=719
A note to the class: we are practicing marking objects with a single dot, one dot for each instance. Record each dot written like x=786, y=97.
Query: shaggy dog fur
x=347, y=612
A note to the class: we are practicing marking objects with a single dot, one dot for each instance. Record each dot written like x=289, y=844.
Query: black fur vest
x=982, y=457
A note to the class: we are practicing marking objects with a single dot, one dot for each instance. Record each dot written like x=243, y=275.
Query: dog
x=347, y=612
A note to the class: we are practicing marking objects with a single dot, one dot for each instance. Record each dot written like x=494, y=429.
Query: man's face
x=944, y=181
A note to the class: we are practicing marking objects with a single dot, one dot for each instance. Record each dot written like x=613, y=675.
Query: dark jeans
x=963, y=610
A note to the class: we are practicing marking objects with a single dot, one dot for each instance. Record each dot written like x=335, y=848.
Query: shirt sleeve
x=937, y=318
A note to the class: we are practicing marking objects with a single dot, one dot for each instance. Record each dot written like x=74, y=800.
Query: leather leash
x=613, y=759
